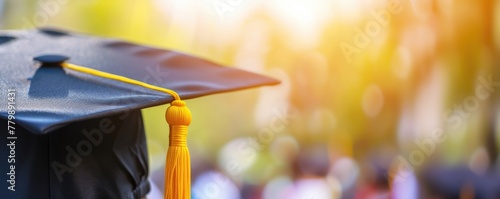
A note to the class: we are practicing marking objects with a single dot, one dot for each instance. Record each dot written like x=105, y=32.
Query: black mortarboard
x=78, y=135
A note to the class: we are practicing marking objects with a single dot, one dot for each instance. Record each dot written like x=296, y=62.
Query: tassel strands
x=178, y=166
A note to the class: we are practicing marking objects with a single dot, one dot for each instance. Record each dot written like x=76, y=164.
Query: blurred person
x=449, y=182
x=375, y=184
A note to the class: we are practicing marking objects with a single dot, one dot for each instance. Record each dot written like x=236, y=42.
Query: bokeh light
x=368, y=88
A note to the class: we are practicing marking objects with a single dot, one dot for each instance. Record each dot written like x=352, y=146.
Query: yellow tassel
x=178, y=167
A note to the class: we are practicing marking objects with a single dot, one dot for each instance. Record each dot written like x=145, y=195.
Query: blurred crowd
x=379, y=99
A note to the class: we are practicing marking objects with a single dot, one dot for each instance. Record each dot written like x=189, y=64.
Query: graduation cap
x=71, y=120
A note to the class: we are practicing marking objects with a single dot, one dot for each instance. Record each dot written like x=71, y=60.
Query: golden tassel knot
x=178, y=114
